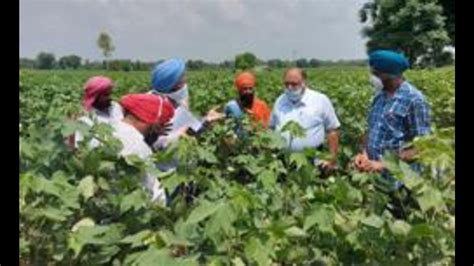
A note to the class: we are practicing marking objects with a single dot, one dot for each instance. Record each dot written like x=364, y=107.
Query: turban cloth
x=149, y=108
x=94, y=87
x=167, y=74
x=244, y=80
x=388, y=62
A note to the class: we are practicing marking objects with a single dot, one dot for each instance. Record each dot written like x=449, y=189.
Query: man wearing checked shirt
x=312, y=110
x=398, y=114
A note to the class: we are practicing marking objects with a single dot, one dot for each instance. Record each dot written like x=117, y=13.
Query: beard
x=247, y=100
x=102, y=105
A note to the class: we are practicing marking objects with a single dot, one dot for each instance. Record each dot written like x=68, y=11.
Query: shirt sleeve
x=419, y=119
x=331, y=121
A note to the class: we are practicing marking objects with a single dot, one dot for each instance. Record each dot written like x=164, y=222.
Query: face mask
x=247, y=99
x=180, y=95
x=294, y=95
x=376, y=83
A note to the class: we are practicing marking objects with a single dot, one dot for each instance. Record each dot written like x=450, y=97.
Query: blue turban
x=167, y=74
x=388, y=62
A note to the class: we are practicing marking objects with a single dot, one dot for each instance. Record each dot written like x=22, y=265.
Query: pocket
x=395, y=122
x=310, y=120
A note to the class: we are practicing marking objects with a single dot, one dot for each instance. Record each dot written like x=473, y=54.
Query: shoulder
x=411, y=94
x=230, y=103
x=280, y=101
x=314, y=96
x=260, y=103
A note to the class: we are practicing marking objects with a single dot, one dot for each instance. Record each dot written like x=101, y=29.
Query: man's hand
x=329, y=165
x=164, y=129
x=213, y=115
x=361, y=161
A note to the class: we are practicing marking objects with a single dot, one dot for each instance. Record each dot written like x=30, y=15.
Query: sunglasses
x=292, y=84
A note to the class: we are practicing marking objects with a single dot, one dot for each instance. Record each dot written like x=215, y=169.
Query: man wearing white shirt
x=312, y=110
x=97, y=102
x=144, y=115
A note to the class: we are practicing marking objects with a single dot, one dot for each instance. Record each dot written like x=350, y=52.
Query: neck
x=393, y=85
x=134, y=123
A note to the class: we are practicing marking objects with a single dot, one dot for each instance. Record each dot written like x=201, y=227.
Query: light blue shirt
x=314, y=113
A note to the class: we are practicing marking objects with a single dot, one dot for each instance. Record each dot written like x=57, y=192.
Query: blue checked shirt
x=394, y=121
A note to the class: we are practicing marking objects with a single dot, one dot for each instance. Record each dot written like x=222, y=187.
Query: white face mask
x=180, y=96
x=294, y=95
x=376, y=83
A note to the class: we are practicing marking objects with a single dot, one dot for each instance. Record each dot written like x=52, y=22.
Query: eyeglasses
x=292, y=84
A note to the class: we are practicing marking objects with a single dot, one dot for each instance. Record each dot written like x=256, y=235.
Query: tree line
x=45, y=60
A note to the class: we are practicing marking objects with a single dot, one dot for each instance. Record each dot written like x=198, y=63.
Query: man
x=247, y=102
x=398, y=114
x=168, y=79
x=312, y=110
x=98, y=104
x=145, y=114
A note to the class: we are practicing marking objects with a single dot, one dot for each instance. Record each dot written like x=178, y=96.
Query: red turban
x=94, y=87
x=149, y=108
x=244, y=80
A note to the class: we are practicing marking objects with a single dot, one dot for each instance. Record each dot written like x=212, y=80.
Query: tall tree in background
x=104, y=42
x=245, y=61
x=414, y=27
x=448, y=12
x=45, y=60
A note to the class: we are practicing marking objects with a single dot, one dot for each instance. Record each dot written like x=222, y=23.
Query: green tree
x=414, y=27
x=448, y=12
x=245, y=61
x=70, y=61
x=104, y=42
x=302, y=63
x=314, y=62
x=195, y=64
x=45, y=60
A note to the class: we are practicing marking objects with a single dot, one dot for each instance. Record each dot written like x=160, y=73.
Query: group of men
x=398, y=113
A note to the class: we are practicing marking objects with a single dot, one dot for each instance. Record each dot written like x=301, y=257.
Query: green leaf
x=137, y=240
x=267, y=178
x=153, y=256
x=255, y=250
x=295, y=232
x=373, y=221
x=87, y=187
x=171, y=239
x=238, y=262
x=204, y=210
x=299, y=159
x=135, y=200
x=294, y=128
x=83, y=222
x=422, y=230
x=323, y=217
x=400, y=227
x=431, y=199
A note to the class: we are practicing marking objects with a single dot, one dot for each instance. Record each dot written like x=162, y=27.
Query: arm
x=333, y=143
x=332, y=124
x=419, y=125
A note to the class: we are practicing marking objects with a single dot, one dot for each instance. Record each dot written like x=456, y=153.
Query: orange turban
x=244, y=80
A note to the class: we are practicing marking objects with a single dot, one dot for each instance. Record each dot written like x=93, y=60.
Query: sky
x=212, y=30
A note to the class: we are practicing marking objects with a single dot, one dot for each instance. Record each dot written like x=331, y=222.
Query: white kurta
x=134, y=144
x=115, y=113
